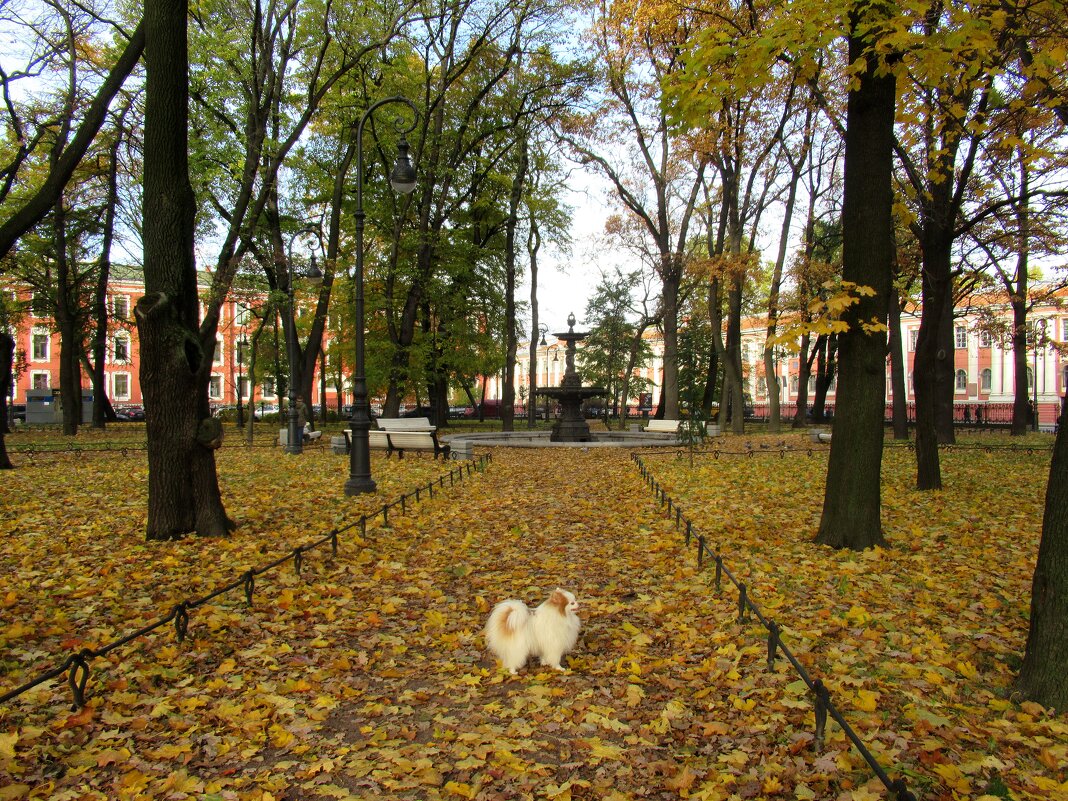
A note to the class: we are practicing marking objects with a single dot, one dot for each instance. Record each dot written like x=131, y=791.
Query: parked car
x=128, y=414
x=419, y=411
x=261, y=410
x=460, y=412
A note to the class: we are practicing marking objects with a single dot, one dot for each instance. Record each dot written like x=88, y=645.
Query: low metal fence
x=823, y=704
x=76, y=665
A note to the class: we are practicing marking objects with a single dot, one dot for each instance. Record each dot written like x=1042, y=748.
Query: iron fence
x=823, y=704
x=76, y=665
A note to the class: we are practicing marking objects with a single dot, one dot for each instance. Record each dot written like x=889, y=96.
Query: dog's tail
x=508, y=618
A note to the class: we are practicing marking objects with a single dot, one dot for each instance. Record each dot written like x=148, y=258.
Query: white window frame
x=959, y=384
x=268, y=389
x=242, y=314
x=220, y=352
x=124, y=314
x=986, y=379
x=984, y=339
x=35, y=332
x=914, y=335
x=47, y=375
x=115, y=394
x=124, y=339
x=215, y=387
x=960, y=337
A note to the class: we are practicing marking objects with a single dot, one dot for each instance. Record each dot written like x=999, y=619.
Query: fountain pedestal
x=572, y=426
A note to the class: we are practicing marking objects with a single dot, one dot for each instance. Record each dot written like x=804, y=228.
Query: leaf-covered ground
x=366, y=676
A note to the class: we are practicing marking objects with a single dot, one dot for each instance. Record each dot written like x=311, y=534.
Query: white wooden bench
x=662, y=426
x=405, y=424
x=399, y=441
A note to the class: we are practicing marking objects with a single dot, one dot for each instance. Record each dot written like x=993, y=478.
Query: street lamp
x=294, y=434
x=241, y=345
x=402, y=179
x=533, y=378
x=1040, y=339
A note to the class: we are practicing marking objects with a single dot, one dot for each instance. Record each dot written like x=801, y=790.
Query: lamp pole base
x=360, y=485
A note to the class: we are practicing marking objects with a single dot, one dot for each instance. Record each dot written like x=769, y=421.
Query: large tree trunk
x=1045, y=661
x=946, y=372
x=70, y=373
x=183, y=490
x=852, y=500
x=7, y=357
x=1021, y=396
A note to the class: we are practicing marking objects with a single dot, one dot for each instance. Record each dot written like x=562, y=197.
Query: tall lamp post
x=402, y=179
x=532, y=413
x=294, y=434
x=242, y=343
x=1040, y=341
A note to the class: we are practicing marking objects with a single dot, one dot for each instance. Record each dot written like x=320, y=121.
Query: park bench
x=413, y=434
x=662, y=427
x=818, y=435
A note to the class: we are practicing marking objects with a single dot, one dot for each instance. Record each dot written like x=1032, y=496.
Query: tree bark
x=852, y=499
x=7, y=357
x=183, y=490
x=1045, y=661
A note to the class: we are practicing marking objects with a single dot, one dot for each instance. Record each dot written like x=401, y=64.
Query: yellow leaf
x=461, y=789
x=7, y=745
x=865, y=700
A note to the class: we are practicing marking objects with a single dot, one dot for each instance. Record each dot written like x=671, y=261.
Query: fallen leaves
x=366, y=675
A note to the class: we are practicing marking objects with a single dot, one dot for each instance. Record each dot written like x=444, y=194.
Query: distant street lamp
x=294, y=434
x=402, y=179
x=532, y=412
x=1040, y=341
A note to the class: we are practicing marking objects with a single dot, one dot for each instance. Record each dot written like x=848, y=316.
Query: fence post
x=822, y=699
x=250, y=585
x=719, y=571
x=743, y=602
x=700, y=551
x=773, y=643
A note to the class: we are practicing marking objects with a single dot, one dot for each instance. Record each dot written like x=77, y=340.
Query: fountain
x=572, y=426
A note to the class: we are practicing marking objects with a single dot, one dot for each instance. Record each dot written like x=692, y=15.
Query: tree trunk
x=899, y=398
x=1045, y=662
x=852, y=500
x=183, y=490
x=70, y=373
x=930, y=351
x=1020, y=407
x=946, y=373
x=7, y=357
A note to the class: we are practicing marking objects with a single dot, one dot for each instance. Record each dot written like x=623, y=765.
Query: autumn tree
x=658, y=178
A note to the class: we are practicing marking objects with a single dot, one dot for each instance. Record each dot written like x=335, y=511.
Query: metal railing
x=76, y=665
x=824, y=706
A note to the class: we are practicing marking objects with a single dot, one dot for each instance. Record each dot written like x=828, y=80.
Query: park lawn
x=366, y=675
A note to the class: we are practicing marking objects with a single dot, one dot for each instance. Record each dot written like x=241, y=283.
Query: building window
x=914, y=333
x=120, y=386
x=215, y=387
x=242, y=385
x=985, y=380
x=984, y=339
x=268, y=388
x=120, y=307
x=40, y=342
x=219, y=352
x=121, y=349
x=962, y=380
x=745, y=351
x=762, y=386
x=961, y=336
x=793, y=383
x=241, y=314
x=40, y=379
x=1030, y=378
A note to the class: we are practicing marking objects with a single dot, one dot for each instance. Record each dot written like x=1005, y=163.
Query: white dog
x=514, y=633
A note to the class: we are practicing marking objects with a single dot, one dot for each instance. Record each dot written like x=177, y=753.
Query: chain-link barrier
x=823, y=703
x=76, y=666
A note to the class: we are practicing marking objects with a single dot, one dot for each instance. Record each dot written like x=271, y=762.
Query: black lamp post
x=402, y=179
x=1040, y=341
x=241, y=345
x=294, y=434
